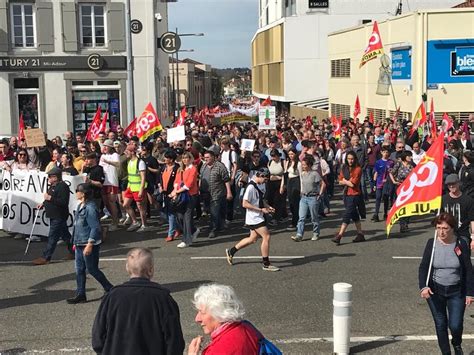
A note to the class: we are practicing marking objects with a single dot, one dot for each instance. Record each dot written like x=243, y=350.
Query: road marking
x=245, y=257
x=412, y=257
x=369, y=339
x=54, y=261
x=113, y=259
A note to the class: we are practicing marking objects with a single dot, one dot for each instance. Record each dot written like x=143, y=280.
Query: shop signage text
x=318, y=4
x=401, y=63
x=69, y=63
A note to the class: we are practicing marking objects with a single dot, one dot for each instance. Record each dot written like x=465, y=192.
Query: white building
x=61, y=59
x=290, y=52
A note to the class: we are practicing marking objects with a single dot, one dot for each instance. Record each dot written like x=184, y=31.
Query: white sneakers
x=125, y=220
x=143, y=229
x=134, y=226
x=182, y=245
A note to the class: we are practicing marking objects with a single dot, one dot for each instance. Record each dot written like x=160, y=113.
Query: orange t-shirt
x=189, y=178
x=355, y=176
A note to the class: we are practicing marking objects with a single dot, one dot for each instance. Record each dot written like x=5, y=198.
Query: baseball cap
x=109, y=143
x=55, y=171
x=451, y=179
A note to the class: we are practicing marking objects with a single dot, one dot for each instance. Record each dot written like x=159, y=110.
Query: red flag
x=418, y=120
x=266, y=102
x=371, y=117
x=374, y=48
x=182, y=117
x=432, y=121
x=148, y=123
x=103, y=124
x=308, y=122
x=336, y=127
x=465, y=129
x=395, y=116
x=356, y=109
x=94, y=128
x=446, y=123
x=131, y=129
x=21, y=128
x=420, y=192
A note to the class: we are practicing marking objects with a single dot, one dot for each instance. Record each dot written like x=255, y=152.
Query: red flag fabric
x=465, y=129
x=148, y=123
x=420, y=192
x=336, y=127
x=21, y=128
x=356, y=109
x=371, y=117
x=131, y=129
x=266, y=102
x=94, y=128
x=182, y=117
x=374, y=48
x=446, y=123
x=395, y=116
x=432, y=121
x=308, y=122
x=103, y=124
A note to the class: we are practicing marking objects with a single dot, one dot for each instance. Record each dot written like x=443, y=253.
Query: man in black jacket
x=139, y=316
x=56, y=205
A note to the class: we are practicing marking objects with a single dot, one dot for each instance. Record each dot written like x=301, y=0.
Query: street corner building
x=60, y=60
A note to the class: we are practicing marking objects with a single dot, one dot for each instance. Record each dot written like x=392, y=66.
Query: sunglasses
x=22, y=155
x=83, y=151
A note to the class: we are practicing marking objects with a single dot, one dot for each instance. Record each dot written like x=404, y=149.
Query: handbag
x=179, y=203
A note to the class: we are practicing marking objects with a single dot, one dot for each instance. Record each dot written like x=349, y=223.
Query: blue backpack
x=265, y=346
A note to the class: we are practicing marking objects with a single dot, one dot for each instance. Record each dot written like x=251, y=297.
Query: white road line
x=369, y=339
x=54, y=261
x=244, y=257
x=113, y=259
x=411, y=257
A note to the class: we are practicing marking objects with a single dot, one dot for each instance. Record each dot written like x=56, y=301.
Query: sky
x=228, y=27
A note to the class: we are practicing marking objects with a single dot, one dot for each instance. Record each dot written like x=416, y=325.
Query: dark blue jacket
x=467, y=281
x=86, y=224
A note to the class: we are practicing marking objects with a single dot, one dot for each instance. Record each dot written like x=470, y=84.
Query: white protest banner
x=247, y=145
x=22, y=191
x=267, y=117
x=175, y=134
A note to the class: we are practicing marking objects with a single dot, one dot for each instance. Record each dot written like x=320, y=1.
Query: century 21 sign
x=66, y=63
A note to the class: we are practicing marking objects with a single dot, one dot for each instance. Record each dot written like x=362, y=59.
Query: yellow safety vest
x=134, y=179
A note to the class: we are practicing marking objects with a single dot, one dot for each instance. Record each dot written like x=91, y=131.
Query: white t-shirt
x=253, y=217
x=110, y=171
x=225, y=159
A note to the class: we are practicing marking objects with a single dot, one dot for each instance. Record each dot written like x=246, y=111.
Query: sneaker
x=296, y=238
x=375, y=218
x=34, y=238
x=126, y=221
x=113, y=228
x=270, y=268
x=134, y=226
x=230, y=258
x=169, y=238
x=337, y=239
x=143, y=229
x=227, y=223
x=182, y=245
x=195, y=234
x=105, y=217
x=77, y=299
x=212, y=234
x=19, y=236
x=315, y=237
x=359, y=238
x=60, y=241
x=40, y=261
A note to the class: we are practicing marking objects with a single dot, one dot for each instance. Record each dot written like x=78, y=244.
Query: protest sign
x=175, y=134
x=267, y=117
x=21, y=192
x=34, y=137
x=247, y=145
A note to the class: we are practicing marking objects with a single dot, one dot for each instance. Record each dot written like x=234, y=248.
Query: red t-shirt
x=233, y=339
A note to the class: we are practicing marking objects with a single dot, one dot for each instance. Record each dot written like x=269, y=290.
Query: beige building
x=429, y=52
x=194, y=83
x=240, y=87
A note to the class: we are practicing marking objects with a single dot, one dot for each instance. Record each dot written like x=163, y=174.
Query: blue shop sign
x=401, y=63
x=450, y=61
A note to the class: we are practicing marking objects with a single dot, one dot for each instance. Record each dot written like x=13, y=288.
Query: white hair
x=220, y=301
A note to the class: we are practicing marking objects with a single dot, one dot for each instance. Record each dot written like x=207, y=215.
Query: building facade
x=239, y=87
x=429, y=52
x=289, y=50
x=62, y=59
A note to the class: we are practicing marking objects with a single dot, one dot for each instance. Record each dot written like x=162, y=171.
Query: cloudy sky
x=228, y=25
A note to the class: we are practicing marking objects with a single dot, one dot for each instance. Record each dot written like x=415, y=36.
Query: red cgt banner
x=420, y=193
x=148, y=123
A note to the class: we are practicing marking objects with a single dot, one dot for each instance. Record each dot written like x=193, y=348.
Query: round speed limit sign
x=170, y=42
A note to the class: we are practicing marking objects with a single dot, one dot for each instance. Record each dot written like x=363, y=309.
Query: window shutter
x=69, y=21
x=116, y=27
x=3, y=26
x=44, y=23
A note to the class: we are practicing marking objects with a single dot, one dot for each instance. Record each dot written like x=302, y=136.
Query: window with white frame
x=23, y=25
x=92, y=22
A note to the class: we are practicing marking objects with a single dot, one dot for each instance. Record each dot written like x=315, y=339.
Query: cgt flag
x=94, y=128
x=148, y=123
x=336, y=127
x=420, y=193
x=374, y=48
x=131, y=129
x=356, y=109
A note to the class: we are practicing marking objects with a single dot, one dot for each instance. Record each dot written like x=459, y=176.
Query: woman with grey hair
x=220, y=314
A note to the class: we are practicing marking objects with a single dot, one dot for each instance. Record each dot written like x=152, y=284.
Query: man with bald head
x=139, y=316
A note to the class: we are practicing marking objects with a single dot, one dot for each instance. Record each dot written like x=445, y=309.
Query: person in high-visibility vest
x=136, y=190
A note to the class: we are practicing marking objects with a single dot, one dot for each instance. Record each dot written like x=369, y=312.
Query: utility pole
x=130, y=88
x=178, y=102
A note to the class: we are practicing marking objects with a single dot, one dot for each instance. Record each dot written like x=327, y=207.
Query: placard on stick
x=34, y=137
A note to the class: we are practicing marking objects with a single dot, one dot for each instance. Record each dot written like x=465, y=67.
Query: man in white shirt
x=110, y=162
x=229, y=159
x=255, y=207
x=417, y=153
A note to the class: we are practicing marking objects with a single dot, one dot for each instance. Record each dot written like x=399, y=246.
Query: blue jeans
x=90, y=264
x=369, y=170
x=310, y=203
x=450, y=298
x=218, y=212
x=57, y=230
x=186, y=220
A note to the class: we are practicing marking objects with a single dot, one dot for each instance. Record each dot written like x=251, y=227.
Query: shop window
x=27, y=96
x=92, y=25
x=23, y=27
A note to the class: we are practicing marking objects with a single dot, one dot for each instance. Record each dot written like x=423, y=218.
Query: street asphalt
x=292, y=307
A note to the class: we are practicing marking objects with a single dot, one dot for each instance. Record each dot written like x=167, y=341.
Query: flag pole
x=432, y=251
